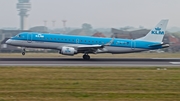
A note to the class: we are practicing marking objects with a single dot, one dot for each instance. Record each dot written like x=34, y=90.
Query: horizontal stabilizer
x=163, y=45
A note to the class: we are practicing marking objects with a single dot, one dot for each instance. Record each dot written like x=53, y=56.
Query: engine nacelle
x=68, y=51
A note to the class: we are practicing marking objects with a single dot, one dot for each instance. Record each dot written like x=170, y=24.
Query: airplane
x=71, y=44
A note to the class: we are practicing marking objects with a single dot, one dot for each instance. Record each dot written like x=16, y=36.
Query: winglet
x=110, y=42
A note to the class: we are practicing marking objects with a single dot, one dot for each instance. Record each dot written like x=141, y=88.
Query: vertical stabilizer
x=157, y=33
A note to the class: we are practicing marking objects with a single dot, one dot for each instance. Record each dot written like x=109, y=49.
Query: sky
x=98, y=13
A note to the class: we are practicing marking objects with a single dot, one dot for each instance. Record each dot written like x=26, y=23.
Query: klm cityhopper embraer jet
x=71, y=45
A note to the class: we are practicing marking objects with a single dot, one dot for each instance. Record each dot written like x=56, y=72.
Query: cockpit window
x=18, y=36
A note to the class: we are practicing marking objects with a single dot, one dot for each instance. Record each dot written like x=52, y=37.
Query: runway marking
x=165, y=58
x=175, y=63
x=97, y=62
x=92, y=65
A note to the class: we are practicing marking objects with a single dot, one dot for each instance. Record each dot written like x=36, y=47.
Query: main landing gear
x=23, y=51
x=86, y=57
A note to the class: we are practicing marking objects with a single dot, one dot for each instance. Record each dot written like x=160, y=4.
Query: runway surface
x=104, y=62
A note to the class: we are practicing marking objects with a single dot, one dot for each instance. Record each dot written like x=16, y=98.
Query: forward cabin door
x=133, y=45
x=29, y=38
x=77, y=41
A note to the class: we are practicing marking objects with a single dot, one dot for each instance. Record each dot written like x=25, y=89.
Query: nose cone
x=9, y=41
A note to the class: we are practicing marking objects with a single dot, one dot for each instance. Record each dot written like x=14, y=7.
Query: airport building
x=134, y=34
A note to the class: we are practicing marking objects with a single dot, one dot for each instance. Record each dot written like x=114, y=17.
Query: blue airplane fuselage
x=57, y=41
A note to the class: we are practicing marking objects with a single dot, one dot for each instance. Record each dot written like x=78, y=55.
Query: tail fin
x=157, y=33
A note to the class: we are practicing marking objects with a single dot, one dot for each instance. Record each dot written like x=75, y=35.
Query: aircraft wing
x=86, y=47
x=90, y=48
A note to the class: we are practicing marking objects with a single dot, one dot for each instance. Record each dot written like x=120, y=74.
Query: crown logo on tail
x=158, y=28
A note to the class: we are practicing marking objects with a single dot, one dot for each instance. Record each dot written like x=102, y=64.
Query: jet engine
x=68, y=51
